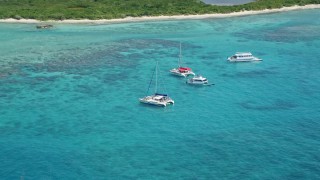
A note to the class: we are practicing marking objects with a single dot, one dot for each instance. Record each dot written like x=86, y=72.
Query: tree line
x=111, y=9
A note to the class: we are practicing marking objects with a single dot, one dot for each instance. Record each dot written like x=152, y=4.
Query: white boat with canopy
x=157, y=99
x=198, y=80
x=243, y=57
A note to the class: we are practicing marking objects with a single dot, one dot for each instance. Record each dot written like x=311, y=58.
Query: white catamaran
x=181, y=71
x=157, y=99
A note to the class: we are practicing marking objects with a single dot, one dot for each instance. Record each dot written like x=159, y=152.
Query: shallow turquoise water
x=69, y=100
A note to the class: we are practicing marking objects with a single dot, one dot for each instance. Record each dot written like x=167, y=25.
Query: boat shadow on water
x=153, y=108
x=200, y=86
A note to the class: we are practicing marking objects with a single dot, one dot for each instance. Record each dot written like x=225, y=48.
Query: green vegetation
x=110, y=9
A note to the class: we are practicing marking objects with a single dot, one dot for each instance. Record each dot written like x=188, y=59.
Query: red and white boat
x=181, y=71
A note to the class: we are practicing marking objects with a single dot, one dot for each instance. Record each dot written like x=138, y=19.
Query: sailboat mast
x=156, y=78
x=180, y=56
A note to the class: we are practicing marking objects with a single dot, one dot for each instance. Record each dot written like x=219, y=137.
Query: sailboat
x=157, y=99
x=181, y=71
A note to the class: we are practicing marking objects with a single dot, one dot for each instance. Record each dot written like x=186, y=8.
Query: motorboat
x=181, y=71
x=157, y=99
x=198, y=80
x=243, y=57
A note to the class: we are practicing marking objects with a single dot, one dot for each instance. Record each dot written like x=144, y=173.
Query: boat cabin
x=160, y=97
x=242, y=55
x=184, y=69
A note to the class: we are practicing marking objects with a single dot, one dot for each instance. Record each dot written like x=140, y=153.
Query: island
x=60, y=10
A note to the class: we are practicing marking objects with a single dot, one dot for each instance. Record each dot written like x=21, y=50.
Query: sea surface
x=69, y=104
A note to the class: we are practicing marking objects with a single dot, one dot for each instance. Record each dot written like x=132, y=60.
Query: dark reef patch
x=249, y=74
x=276, y=105
x=124, y=53
x=286, y=34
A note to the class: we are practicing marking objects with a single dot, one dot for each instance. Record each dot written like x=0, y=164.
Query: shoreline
x=161, y=18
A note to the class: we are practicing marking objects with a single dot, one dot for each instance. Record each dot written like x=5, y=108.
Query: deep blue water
x=69, y=100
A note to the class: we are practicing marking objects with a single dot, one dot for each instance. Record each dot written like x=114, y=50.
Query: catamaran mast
x=156, y=78
x=180, y=57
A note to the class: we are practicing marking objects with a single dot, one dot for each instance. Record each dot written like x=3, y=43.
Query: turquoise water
x=69, y=100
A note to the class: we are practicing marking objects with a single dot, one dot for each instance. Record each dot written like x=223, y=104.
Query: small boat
x=243, y=57
x=157, y=99
x=181, y=71
x=45, y=26
x=198, y=80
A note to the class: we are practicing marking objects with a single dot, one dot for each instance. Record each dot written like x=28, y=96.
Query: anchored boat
x=243, y=57
x=157, y=99
x=198, y=80
x=181, y=71
x=44, y=26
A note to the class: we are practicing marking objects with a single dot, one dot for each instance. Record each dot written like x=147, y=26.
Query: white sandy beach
x=155, y=18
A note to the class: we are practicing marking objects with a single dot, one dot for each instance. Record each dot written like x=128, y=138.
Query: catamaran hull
x=156, y=103
x=178, y=73
x=196, y=83
x=244, y=60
